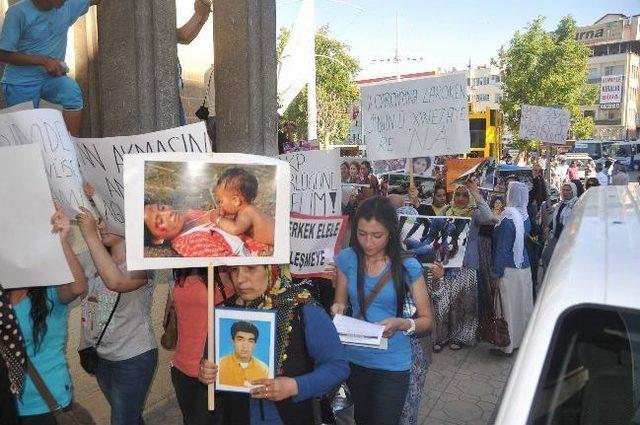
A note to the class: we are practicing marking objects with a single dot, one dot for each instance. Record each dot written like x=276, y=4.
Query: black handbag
x=89, y=355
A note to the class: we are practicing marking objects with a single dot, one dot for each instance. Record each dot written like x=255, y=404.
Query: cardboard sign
x=458, y=167
x=194, y=210
x=421, y=117
x=30, y=255
x=315, y=182
x=46, y=128
x=102, y=161
x=315, y=241
x=545, y=124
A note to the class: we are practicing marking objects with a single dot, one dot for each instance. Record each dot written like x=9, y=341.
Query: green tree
x=546, y=69
x=336, y=89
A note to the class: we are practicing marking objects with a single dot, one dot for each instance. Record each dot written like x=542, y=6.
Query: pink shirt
x=190, y=302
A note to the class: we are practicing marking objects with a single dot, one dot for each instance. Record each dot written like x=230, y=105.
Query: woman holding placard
x=117, y=331
x=371, y=273
x=41, y=315
x=309, y=359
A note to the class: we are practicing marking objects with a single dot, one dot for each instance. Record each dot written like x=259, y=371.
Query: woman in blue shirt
x=510, y=264
x=380, y=378
x=309, y=359
x=42, y=318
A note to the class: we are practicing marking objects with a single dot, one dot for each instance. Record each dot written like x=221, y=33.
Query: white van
x=579, y=362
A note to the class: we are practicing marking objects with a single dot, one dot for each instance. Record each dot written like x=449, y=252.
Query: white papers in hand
x=359, y=332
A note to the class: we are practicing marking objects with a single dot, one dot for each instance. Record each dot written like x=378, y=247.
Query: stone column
x=245, y=76
x=137, y=66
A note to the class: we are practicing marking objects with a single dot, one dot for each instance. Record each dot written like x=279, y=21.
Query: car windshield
x=592, y=370
x=623, y=150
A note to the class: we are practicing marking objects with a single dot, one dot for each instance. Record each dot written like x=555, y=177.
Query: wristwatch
x=412, y=328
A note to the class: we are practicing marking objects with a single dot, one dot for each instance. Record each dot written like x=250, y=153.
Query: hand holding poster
x=102, y=161
x=545, y=124
x=314, y=243
x=315, y=182
x=426, y=116
x=30, y=255
x=46, y=128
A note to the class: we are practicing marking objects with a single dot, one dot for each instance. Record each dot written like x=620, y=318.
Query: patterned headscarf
x=11, y=345
x=284, y=297
x=454, y=211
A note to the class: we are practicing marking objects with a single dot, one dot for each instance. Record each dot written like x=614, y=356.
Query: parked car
x=579, y=362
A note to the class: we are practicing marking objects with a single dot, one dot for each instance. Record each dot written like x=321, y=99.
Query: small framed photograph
x=244, y=347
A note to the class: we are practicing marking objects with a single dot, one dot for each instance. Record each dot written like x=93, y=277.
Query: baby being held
x=236, y=190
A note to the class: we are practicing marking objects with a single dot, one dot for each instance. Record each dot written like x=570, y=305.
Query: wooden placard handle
x=211, y=388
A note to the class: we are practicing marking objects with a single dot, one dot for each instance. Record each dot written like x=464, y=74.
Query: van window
x=592, y=370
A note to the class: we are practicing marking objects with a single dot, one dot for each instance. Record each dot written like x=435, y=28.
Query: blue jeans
x=125, y=384
x=378, y=395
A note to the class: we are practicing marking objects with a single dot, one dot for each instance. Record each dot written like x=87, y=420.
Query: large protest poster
x=412, y=118
x=315, y=241
x=544, y=124
x=30, y=255
x=611, y=89
x=194, y=210
x=484, y=173
x=315, y=182
x=102, y=161
x=46, y=128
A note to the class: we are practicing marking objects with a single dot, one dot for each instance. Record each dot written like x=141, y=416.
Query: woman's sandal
x=455, y=347
x=437, y=348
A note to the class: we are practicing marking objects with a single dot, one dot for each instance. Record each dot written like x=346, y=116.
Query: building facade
x=614, y=65
x=485, y=87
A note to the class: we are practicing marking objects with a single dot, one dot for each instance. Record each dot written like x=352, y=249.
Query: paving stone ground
x=462, y=388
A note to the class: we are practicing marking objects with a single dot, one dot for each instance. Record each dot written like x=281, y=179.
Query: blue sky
x=444, y=34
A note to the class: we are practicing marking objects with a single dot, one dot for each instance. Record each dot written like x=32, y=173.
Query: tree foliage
x=546, y=69
x=336, y=89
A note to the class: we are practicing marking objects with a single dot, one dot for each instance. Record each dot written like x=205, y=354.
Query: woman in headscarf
x=309, y=359
x=455, y=302
x=510, y=265
x=559, y=218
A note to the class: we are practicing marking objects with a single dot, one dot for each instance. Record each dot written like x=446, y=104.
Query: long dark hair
x=41, y=307
x=382, y=210
x=179, y=275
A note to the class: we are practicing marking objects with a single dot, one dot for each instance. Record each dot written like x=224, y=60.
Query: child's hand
x=88, y=189
x=60, y=223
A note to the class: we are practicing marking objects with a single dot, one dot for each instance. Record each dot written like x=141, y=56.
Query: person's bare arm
x=237, y=226
x=53, y=66
x=189, y=31
x=72, y=290
x=115, y=279
x=341, y=296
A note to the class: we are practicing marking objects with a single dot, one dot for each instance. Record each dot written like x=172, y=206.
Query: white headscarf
x=568, y=206
x=516, y=211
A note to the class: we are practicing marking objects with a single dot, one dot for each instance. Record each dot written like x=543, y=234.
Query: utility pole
x=312, y=106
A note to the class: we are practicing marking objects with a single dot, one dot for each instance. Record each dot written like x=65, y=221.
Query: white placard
x=201, y=238
x=545, y=124
x=24, y=106
x=421, y=117
x=30, y=255
x=102, y=161
x=611, y=89
x=315, y=241
x=315, y=182
x=46, y=128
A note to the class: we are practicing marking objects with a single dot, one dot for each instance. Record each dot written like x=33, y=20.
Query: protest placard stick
x=412, y=184
x=211, y=303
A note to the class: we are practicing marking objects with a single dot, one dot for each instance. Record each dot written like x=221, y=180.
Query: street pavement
x=462, y=388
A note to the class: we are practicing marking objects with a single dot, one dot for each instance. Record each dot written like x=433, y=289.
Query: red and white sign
x=611, y=89
x=315, y=241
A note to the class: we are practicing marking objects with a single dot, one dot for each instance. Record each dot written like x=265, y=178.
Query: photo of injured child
x=442, y=239
x=207, y=210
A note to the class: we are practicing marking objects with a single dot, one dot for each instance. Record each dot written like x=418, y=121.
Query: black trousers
x=192, y=399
